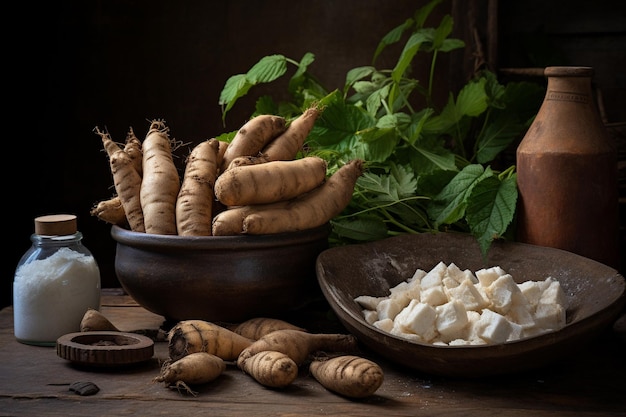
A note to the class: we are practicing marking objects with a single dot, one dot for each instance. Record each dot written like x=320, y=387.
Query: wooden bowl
x=219, y=278
x=595, y=295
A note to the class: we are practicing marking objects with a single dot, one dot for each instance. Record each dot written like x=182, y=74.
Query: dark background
x=75, y=65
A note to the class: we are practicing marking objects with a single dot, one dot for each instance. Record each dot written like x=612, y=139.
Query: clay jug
x=567, y=172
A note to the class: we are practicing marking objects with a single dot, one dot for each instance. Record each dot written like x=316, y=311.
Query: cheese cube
x=493, y=327
x=468, y=294
x=451, y=319
x=384, y=325
x=434, y=276
x=532, y=290
x=553, y=294
x=368, y=302
x=516, y=332
x=417, y=275
x=434, y=295
x=520, y=313
x=549, y=316
x=448, y=282
x=486, y=276
x=406, y=290
x=470, y=275
x=370, y=316
x=501, y=293
x=471, y=330
x=418, y=318
x=405, y=334
x=455, y=273
x=389, y=308
x=399, y=292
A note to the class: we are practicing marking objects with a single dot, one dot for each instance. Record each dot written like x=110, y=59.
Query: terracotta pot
x=567, y=172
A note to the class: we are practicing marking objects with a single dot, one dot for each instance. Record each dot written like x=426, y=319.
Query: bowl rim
x=150, y=240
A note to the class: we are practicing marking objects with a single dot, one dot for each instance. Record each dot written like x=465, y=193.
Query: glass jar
x=56, y=281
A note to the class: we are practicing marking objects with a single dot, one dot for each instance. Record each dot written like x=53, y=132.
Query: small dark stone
x=84, y=388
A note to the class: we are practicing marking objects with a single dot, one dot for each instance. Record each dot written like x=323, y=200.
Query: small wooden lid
x=105, y=348
x=56, y=225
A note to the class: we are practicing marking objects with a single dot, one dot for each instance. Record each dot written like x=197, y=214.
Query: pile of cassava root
x=258, y=183
x=269, y=350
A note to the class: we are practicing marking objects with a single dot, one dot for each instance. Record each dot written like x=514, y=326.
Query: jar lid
x=56, y=225
x=568, y=71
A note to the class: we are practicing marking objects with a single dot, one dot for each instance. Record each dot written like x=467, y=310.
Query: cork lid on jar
x=56, y=225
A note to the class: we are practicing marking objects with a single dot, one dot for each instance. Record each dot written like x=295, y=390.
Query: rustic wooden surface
x=35, y=381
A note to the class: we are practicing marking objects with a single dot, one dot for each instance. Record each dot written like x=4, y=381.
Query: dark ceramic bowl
x=595, y=295
x=219, y=278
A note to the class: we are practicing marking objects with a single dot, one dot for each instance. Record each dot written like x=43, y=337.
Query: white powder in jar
x=51, y=296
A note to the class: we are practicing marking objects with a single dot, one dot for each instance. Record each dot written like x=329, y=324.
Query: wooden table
x=35, y=382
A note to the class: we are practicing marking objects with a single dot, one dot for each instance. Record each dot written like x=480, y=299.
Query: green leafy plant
x=429, y=169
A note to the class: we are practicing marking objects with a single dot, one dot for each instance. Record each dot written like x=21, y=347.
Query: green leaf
x=441, y=123
x=416, y=125
x=472, y=99
x=491, y=208
x=408, y=53
x=442, y=31
x=392, y=37
x=268, y=69
x=422, y=14
x=449, y=205
x=356, y=74
x=299, y=77
x=376, y=99
x=406, y=183
x=451, y=44
x=380, y=187
x=236, y=86
x=364, y=228
x=496, y=137
x=265, y=105
x=339, y=125
x=380, y=143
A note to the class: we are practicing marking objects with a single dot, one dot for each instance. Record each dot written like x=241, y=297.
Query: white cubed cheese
x=455, y=273
x=549, y=316
x=470, y=275
x=407, y=290
x=389, y=308
x=434, y=276
x=553, y=293
x=520, y=312
x=448, y=282
x=493, y=327
x=501, y=293
x=486, y=276
x=434, y=295
x=368, y=302
x=384, y=325
x=532, y=290
x=405, y=334
x=370, y=316
x=451, y=319
x=399, y=292
x=418, y=318
x=471, y=330
x=467, y=293
x=417, y=275
x=516, y=332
